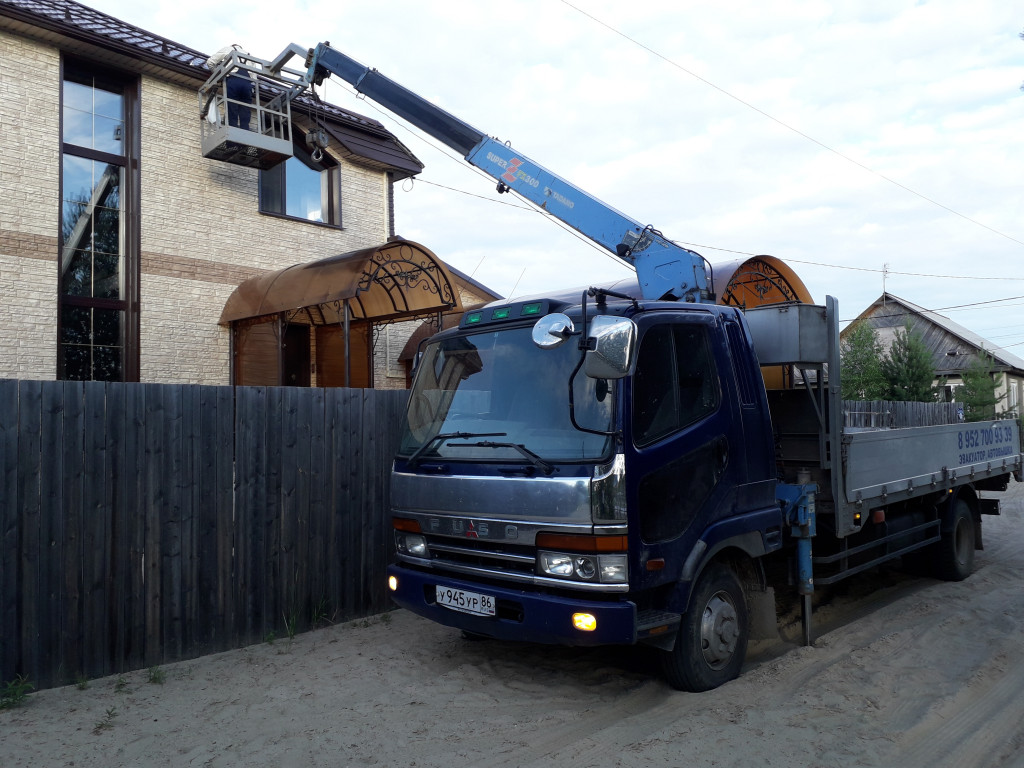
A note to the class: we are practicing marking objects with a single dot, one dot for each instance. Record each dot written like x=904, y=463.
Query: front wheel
x=713, y=634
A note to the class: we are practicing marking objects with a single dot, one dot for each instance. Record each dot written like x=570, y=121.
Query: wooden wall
x=145, y=523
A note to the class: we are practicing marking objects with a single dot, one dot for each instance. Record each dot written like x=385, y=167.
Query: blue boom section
x=664, y=270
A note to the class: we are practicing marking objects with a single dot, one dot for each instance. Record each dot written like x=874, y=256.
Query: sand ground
x=904, y=672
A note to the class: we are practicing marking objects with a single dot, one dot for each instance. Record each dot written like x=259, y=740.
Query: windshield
x=501, y=388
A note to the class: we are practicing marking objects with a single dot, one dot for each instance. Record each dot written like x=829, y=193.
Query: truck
x=642, y=463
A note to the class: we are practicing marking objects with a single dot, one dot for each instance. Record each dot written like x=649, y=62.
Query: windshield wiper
x=544, y=466
x=445, y=437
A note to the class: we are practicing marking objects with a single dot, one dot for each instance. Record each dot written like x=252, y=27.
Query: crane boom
x=664, y=269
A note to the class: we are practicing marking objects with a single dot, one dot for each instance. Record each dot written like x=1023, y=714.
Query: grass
x=14, y=692
x=81, y=682
x=321, y=613
x=291, y=624
x=157, y=676
x=106, y=722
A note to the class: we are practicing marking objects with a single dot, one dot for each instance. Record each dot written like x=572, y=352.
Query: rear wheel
x=713, y=634
x=955, y=551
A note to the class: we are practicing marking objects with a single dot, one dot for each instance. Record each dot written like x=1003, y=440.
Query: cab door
x=683, y=442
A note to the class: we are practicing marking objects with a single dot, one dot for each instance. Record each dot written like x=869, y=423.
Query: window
x=676, y=383
x=97, y=330
x=303, y=188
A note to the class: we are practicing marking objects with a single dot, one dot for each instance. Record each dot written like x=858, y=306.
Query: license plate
x=467, y=602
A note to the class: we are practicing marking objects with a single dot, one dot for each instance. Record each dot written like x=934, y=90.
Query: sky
x=868, y=144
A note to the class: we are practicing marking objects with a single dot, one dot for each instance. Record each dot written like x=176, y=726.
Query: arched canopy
x=757, y=281
x=391, y=281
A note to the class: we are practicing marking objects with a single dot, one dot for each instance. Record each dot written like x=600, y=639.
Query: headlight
x=411, y=544
x=586, y=568
x=613, y=569
x=606, y=569
x=555, y=564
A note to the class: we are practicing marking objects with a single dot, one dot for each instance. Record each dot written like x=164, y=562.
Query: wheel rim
x=719, y=630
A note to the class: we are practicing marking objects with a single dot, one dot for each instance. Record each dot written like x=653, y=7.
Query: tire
x=955, y=551
x=713, y=634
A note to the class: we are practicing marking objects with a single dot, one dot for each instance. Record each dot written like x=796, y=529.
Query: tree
x=978, y=392
x=860, y=364
x=907, y=368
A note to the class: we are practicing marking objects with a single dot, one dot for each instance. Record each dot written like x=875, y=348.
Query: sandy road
x=904, y=672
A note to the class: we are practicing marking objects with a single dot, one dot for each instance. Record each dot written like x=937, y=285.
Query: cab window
x=675, y=383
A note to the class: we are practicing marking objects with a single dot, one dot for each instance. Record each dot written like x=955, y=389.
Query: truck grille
x=503, y=561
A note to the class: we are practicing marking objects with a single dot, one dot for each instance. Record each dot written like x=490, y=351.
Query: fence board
x=269, y=568
x=10, y=530
x=349, y=499
x=136, y=461
x=72, y=451
x=174, y=517
x=219, y=485
x=319, y=543
x=97, y=508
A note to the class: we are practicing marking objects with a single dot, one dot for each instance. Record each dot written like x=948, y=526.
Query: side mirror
x=611, y=356
x=552, y=330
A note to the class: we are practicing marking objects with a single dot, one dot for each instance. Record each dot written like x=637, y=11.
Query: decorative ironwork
x=760, y=279
x=401, y=269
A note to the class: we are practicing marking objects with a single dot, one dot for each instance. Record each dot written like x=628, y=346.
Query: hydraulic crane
x=664, y=269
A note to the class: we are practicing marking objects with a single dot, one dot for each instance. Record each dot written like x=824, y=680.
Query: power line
x=788, y=127
x=472, y=194
x=854, y=269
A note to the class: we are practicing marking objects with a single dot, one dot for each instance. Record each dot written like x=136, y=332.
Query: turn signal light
x=572, y=542
x=393, y=583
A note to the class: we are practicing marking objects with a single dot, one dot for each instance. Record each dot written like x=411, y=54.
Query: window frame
x=669, y=353
x=330, y=185
x=82, y=71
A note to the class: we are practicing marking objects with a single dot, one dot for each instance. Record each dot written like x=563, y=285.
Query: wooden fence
x=893, y=414
x=145, y=523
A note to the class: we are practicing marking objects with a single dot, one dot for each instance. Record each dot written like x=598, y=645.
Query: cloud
x=783, y=128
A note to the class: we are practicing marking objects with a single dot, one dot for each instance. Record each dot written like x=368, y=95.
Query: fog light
x=585, y=622
x=393, y=583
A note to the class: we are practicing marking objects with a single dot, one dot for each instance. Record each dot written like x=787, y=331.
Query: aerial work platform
x=245, y=107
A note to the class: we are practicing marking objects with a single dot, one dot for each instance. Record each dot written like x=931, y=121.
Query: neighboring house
x=953, y=347
x=122, y=249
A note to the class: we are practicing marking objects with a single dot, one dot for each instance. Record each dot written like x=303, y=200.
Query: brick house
x=121, y=246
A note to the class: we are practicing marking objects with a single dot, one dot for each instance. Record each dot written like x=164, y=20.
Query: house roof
x=938, y=342
x=85, y=31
